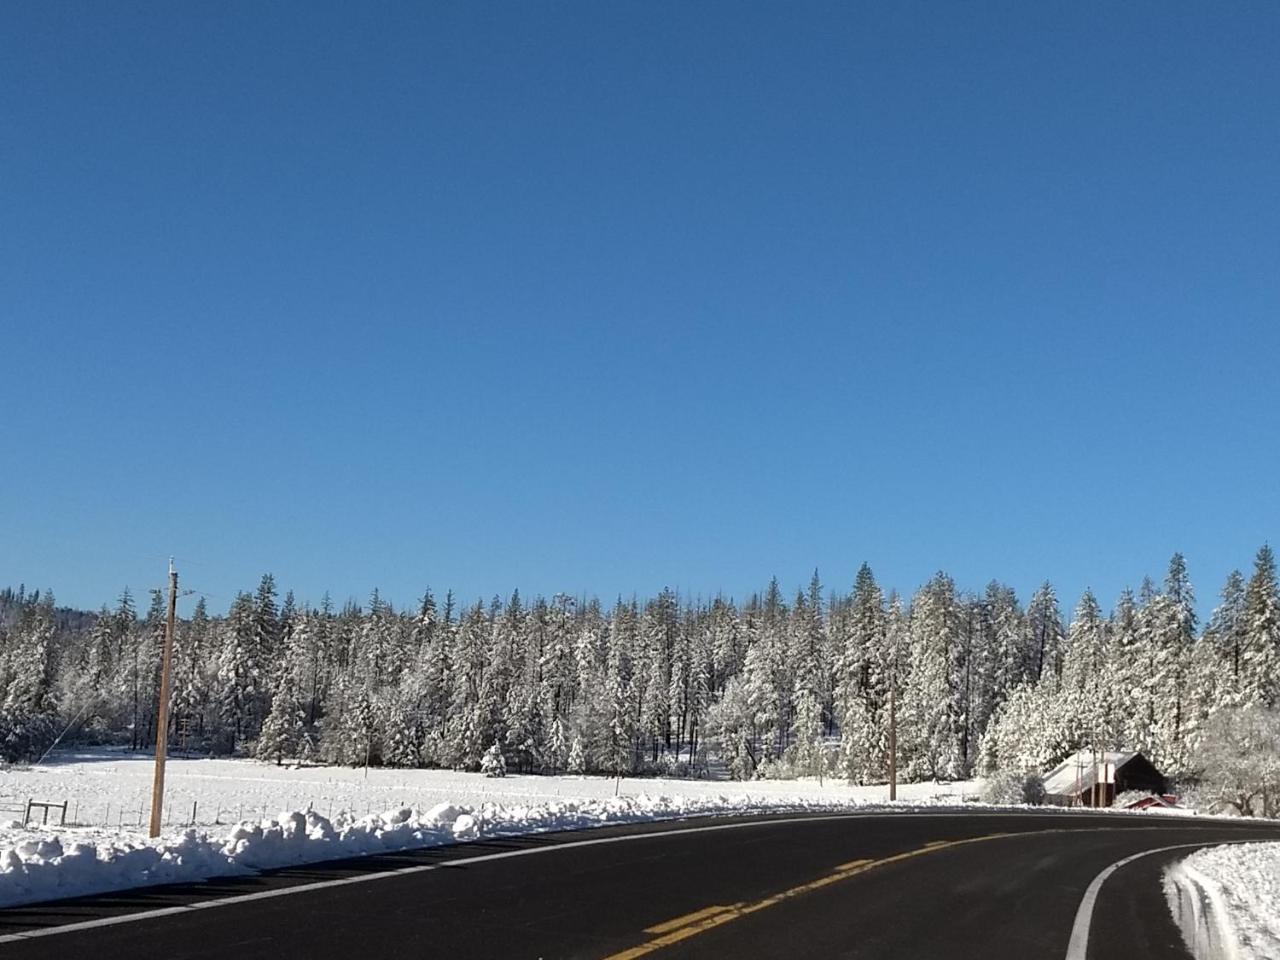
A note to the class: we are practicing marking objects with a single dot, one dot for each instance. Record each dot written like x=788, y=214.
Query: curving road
x=916, y=885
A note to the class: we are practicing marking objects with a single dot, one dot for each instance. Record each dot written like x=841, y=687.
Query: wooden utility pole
x=162, y=720
x=1097, y=779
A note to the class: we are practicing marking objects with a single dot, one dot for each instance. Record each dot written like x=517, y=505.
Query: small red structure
x=1168, y=800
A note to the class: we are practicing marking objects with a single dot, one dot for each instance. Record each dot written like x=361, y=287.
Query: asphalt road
x=874, y=886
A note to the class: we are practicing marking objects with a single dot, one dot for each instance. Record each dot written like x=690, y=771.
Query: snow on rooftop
x=1078, y=771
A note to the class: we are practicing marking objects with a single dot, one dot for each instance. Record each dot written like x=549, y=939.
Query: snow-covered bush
x=1013, y=786
x=775, y=768
x=666, y=765
x=1239, y=760
x=493, y=763
x=1033, y=791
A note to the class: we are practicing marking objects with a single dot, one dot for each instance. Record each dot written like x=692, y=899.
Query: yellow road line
x=853, y=865
x=692, y=924
x=689, y=918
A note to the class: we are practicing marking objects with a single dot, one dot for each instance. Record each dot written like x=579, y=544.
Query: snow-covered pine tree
x=862, y=682
x=493, y=763
x=620, y=708
x=357, y=729
x=556, y=753
x=813, y=651
x=700, y=674
x=760, y=695
x=1084, y=669
x=238, y=673
x=400, y=733
x=577, y=762
x=118, y=698
x=1225, y=637
x=266, y=645
x=971, y=672
x=928, y=724
x=1173, y=625
x=1014, y=658
x=678, y=684
x=726, y=643
x=1127, y=670
x=659, y=629
x=732, y=724
x=192, y=672
x=282, y=730
x=1044, y=622
x=987, y=671
x=28, y=711
x=465, y=726
x=1030, y=731
x=1260, y=667
x=140, y=677
x=808, y=755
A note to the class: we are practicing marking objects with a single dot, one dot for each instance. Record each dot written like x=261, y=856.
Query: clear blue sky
x=601, y=297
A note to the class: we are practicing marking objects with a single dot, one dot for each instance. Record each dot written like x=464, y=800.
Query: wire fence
x=188, y=805
x=205, y=810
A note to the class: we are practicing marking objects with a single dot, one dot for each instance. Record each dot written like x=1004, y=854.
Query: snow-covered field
x=222, y=816
x=1226, y=900
x=111, y=790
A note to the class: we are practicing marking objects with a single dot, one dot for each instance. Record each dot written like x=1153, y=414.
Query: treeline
x=777, y=686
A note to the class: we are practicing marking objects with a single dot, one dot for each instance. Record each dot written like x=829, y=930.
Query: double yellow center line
x=708, y=918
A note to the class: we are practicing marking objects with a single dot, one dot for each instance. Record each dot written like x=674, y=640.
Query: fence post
x=27, y=813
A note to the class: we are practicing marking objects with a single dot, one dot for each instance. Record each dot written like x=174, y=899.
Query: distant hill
x=66, y=618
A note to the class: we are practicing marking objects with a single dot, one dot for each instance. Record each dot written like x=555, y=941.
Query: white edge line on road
x=1078, y=946
x=525, y=851
x=401, y=871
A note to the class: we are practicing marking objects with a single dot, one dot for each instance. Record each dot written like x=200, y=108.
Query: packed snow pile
x=55, y=866
x=1226, y=901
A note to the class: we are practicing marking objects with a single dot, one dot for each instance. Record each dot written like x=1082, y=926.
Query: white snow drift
x=1226, y=901
x=54, y=867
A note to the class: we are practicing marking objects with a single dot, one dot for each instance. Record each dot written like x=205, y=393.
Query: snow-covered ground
x=222, y=818
x=1226, y=900
x=111, y=790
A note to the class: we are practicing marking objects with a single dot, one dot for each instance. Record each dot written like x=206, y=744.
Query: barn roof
x=1077, y=773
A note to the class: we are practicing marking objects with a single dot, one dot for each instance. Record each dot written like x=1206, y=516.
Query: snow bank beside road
x=55, y=866
x=1226, y=901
